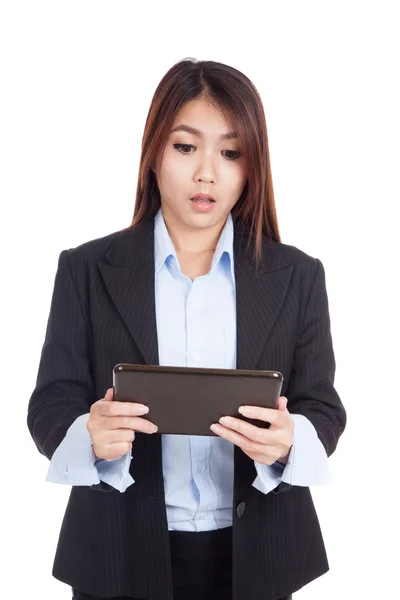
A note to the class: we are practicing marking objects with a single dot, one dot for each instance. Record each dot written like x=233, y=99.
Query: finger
x=264, y=459
x=119, y=421
x=116, y=450
x=254, y=433
x=115, y=436
x=123, y=409
x=135, y=423
x=111, y=422
x=238, y=439
x=268, y=458
x=269, y=415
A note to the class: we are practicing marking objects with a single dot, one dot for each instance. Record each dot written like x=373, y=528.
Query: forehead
x=201, y=118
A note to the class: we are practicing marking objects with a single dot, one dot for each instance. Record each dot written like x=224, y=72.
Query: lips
x=203, y=197
x=202, y=205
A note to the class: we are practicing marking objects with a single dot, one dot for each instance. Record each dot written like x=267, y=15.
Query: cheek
x=174, y=172
x=235, y=181
x=168, y=178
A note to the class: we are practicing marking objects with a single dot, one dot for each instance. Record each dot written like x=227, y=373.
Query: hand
x=112, y=426
x=263, y=445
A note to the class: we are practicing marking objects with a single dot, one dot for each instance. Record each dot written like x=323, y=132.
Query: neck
x=187, y=240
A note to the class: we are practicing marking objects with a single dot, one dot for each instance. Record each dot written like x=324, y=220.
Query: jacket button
x=241, y=507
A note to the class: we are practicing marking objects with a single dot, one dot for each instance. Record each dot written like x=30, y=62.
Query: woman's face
x=200, y=163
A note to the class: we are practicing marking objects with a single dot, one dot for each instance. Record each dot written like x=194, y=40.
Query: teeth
x=201, y=200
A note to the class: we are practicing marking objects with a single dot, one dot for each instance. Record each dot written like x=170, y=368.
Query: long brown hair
x=239, y=102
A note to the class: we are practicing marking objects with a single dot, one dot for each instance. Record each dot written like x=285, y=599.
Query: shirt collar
x=163, y=246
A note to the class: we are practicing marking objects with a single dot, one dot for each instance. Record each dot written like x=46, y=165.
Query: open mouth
x=202, y=200
x=202, y=205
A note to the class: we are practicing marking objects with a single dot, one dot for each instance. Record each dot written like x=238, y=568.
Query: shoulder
x=81, y=264
x=308, y=270
x=90, y=252
x=293, y=255
x=82, y=261
x=281, y=255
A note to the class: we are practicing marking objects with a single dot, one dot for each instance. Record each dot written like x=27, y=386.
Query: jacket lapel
x=259, y=298
x=128, y=273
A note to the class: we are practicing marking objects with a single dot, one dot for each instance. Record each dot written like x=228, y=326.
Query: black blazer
x=102, y=313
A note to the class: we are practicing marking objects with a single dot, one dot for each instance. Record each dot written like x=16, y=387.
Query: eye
x=181, y=146
x=236, y=154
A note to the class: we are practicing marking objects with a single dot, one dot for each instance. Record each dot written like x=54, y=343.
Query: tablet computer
x=187, y=400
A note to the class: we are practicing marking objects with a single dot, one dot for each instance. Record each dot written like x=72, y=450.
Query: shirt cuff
x=116, y=472
x=74, y=461
x=307, y=462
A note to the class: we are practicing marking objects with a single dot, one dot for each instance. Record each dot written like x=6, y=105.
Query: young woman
x=200, y=278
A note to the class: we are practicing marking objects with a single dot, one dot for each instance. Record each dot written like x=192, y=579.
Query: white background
x=77, y=80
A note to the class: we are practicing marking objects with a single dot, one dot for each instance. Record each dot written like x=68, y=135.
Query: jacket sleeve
x=65, y=386
x=310, y=391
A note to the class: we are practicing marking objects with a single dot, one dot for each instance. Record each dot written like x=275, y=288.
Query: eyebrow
x=194, y=131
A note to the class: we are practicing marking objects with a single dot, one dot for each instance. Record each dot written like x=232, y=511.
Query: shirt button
x=200, y=467
x=241, y=507
x=196, y=355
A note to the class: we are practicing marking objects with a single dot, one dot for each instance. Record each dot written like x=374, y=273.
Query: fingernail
x=143, y=410
x=153, y=429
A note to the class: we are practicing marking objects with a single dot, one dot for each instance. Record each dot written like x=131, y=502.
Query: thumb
x=109, y=394
x=282, y=403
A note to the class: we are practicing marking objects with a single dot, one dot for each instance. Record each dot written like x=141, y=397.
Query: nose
x=205, y=171
x=206, y=179
x=205, y=174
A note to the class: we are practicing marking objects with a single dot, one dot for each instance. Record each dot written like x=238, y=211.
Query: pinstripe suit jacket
x=102, y=313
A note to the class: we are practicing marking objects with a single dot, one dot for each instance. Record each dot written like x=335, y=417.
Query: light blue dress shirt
x=196, y=327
